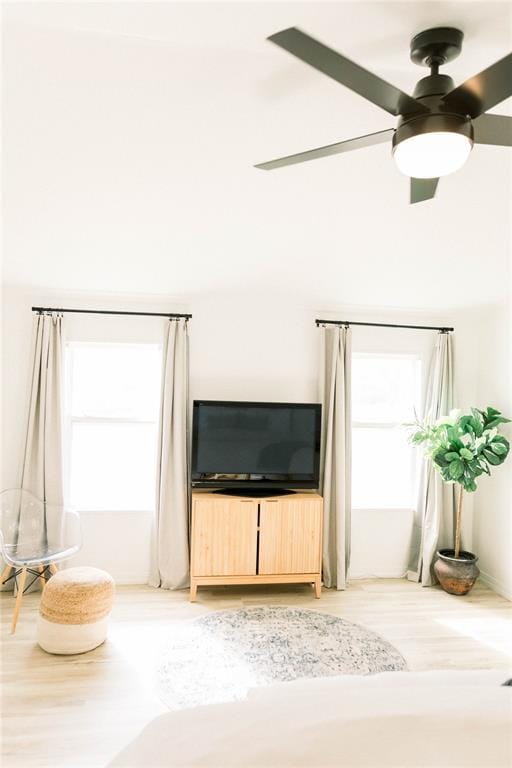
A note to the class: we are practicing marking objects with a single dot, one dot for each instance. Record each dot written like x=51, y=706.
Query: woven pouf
x=74, y=610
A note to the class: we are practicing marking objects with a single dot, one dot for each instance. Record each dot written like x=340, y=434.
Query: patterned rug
x=218, y=657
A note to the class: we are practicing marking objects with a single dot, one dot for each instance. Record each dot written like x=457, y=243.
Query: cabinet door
x=224, y=537
x=290, y=536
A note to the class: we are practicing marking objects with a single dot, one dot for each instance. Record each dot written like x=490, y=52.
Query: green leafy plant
x=462, y=447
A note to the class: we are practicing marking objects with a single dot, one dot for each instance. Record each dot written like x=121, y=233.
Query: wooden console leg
x=318, y=588
x=193, y=591
x=19, y=598
x=5, y=573
x=42, y=580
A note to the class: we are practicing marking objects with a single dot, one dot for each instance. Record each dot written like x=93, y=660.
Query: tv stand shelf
x=256, y=540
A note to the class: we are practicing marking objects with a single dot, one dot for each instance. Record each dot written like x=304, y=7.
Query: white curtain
x=335, y=471
x=170, y=539
x=433, y=523
x=42, y=461
x=42, y=473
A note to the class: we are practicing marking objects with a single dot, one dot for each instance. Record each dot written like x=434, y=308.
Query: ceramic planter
x=456, y=575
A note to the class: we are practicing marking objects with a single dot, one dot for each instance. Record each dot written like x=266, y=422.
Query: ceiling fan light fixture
x=434, y=146
x=432, y=155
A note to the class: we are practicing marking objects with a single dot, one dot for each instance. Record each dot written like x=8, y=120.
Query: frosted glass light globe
x=429, y=155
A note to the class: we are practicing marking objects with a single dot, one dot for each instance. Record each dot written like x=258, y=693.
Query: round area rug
x=219, y=656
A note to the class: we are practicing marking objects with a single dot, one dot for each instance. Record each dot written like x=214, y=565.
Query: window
x=112, y=408
x=385, y=394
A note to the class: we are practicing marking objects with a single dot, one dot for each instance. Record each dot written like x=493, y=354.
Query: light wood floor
x=80, y=710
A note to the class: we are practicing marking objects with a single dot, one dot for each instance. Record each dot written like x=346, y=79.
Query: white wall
x=260, y=346
x=492, y=525
x=380, y=543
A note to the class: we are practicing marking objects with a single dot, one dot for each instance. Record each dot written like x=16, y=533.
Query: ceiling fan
x=437, y=126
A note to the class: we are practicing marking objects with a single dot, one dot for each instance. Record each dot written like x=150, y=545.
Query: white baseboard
x=129, y=581
x=495, y=585
x=377, y=575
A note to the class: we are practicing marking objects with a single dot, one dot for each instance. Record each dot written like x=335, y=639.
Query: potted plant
x=462, y=446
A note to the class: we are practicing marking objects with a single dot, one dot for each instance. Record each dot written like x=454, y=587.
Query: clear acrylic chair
x=34, y=537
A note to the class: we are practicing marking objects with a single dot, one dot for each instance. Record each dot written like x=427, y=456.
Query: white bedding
x=393, y=720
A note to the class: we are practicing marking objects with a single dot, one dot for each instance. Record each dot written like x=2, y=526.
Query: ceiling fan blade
x=346, y=72
x=423, y=189
x=329, y=149
x=483, y=91
x=493, y=129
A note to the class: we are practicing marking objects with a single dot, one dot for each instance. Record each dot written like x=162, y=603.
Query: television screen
x=255, y=444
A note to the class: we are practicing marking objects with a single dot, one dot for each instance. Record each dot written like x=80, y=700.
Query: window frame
x=69, y=419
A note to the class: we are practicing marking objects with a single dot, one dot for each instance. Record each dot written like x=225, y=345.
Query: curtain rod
x=111, y=312
x=441, y=329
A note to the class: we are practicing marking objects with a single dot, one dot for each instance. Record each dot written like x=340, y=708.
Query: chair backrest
x=29, y=525
x=17, y=505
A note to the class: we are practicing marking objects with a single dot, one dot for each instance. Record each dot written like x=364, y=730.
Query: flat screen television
x=250, y=446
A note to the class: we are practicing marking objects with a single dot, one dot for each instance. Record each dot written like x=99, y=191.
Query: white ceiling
x=130, y=130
